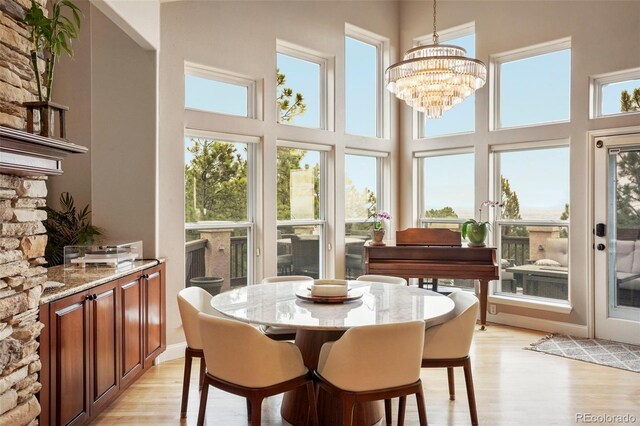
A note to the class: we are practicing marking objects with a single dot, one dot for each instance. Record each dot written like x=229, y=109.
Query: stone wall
x=17, y=80
x=22, y=276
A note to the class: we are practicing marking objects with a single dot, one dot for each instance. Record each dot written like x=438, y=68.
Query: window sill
x=559, y=307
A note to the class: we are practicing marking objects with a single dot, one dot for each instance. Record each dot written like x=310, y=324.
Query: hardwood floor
x=513, y=387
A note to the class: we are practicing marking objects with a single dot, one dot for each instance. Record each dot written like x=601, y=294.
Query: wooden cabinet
x=97, y=342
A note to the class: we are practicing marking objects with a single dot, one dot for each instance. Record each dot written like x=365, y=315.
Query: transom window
x=532, y=228
x=301, y=90
x=615, y=93
x=216, y=91
x=462, y=118
x=532, y=86
x=363, y=63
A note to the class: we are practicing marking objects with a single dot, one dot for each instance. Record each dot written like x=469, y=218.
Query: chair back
x=453, y=338
x=374, y=357
x=192, y=301
x=382, y=279
x=238, y=353
x=285, y=278
x=305, y=251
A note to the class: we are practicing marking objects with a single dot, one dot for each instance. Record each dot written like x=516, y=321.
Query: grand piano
x=434, y=253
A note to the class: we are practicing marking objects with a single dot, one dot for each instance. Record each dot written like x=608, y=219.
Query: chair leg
x=422, y=411
x=203, y=368
x=203, y=403
x=347, y=410
x=185, y=383
x=313, y=408
x=387, y=411
x=452, y=384
x=468, y=378
x=402, y=405
x=248, y=409
x=256, y=411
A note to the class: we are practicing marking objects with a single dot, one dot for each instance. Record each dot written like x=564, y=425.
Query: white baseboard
x=576, y=330
x=174, y=351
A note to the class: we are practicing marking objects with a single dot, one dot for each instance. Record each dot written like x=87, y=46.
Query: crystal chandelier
x=435, y=78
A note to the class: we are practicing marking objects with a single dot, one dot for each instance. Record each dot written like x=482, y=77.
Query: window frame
x=208, y=73
x=327, y=66
x=597, y=83
x=557, y=305
x=423, y=221
x=322, y=222
x=253, y=144
x=382, y=98
x=444, y=36
x=495, y=64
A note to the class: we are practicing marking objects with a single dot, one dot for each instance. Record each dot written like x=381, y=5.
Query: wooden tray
x=305, y=294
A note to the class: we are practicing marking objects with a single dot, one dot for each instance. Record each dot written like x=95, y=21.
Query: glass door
x=617, y=238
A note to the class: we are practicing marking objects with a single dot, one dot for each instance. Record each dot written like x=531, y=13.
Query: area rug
x=596, y=351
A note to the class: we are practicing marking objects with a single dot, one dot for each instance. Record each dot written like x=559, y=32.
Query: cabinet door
x=104, y=344
x=69, y=319
x=131, y=297
x=154, y=314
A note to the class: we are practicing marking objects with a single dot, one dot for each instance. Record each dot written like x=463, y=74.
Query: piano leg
x=484, y=290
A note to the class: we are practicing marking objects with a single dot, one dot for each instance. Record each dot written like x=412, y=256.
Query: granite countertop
x=79, y=280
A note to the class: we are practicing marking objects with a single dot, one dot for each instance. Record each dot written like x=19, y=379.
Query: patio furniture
x=305, y=250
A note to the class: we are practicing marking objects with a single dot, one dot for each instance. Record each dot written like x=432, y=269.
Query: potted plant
x=476, y=232
x=50, y=37
x=378, y=226
x=67, y=227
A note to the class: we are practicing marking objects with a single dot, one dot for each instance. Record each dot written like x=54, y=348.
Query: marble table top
x=276, y=304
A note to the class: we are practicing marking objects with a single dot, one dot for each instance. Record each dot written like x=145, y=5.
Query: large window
x=533, y=85
x=362, y=87
x=300, y=204
x=301, y=92
x=462, y=118
x=218, y=217
x=532, y=229
x=363, y=198
x=219, y=92
x=446, y=194
x=615, y=93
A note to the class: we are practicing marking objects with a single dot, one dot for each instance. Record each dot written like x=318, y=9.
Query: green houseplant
x=66, y=227
x=49, y=38
x=476, y=231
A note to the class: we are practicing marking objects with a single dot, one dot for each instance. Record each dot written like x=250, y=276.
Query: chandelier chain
x=436, y=37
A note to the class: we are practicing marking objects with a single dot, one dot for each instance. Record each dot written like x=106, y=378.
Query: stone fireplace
x=25, y=163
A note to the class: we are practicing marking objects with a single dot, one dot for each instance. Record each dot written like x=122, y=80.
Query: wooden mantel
x=25, y=154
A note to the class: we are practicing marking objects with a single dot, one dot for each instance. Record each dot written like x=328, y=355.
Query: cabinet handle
x=95, y=296
x=87, y=297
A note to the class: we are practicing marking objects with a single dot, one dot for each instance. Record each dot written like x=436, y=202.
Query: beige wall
x=139, y=19
x=604, y=37
x=111, y=88
x=241, y=37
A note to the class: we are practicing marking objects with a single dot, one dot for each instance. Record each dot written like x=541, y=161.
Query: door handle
x=600, y=247
x=601, y=230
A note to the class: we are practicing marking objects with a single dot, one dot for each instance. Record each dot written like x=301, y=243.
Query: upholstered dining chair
x=244, y=362
x=448, y=344
x=371, y=363
x=281, y=333
x=191, y=301
x=382, y=279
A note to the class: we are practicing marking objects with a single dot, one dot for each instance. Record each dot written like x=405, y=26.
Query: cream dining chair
x=192, y=301
x=382, y=279
x=244, y=362
x=281, y=333
x=448, y=344
x=372, y=363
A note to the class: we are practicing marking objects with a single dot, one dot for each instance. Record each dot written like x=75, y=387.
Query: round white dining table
x=276, y=304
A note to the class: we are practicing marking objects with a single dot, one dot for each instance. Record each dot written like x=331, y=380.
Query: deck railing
x=515, y=249
x=238, y=260
x=194, y=259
